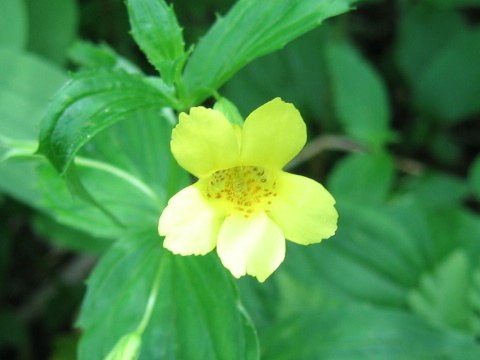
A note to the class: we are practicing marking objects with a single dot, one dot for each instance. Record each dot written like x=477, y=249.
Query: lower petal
x=190, y=225
x=253, y=245
x=303, y=209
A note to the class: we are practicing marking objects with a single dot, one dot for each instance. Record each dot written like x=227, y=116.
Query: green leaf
x=230, y=111
x=438, y=52
x=91, y=102
x=353, y=333
x=252, y=28
x=155, y=29
x=359, y=95
x=67, y=237
x=128, y=168
x=131, y=158
x=191, y=303
x=352, y=263
x=442, y=295
x=415, y=50
x=413, y=218
x=437, y=231
x=13, y=24
x=457, y=67
x=474, y=302
x=429, y=185
x=52, y=27
x=363, y=179
x=282, y=74
x=26, y=85
x=27, y=82
x=91, y=56
x=134, y=205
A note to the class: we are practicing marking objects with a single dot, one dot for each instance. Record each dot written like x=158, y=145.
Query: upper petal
x=273, y=135
x=204, y=141
x=190, y=225
x=253, y=245
x=303, y=209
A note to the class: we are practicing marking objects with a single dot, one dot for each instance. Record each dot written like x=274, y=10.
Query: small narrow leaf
x=92, y=56
x=155, y=29
x=230, y=111
x=252, y=28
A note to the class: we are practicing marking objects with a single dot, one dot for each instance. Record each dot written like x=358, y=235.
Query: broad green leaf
x=438, y=52
x=359, y=95
x=363, y=179
x=155, y=29
x=128, y=168
x=252, y=28
x=13, y=24
x=91, y=102
x=52, y=27
x=352, y=263
x=133, y=184
x=442, y=295
x=354, y=333
x=195, y=312
x=132, y=158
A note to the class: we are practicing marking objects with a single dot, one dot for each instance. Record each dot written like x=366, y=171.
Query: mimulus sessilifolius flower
x=243, y=203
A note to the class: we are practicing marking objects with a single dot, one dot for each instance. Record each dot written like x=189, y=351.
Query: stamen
x=241, y=186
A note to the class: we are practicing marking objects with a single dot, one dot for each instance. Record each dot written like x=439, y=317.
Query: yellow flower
x=243, y=203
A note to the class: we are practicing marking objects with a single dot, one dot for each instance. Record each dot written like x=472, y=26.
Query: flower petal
x=190, y=225
x=273, y=135
x=253, y=245
x=303, y=209
x=204, y=141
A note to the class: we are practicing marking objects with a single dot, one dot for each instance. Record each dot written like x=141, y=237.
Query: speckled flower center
x=242, y=189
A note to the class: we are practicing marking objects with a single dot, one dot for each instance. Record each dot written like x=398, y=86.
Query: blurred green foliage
x=390, y=93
